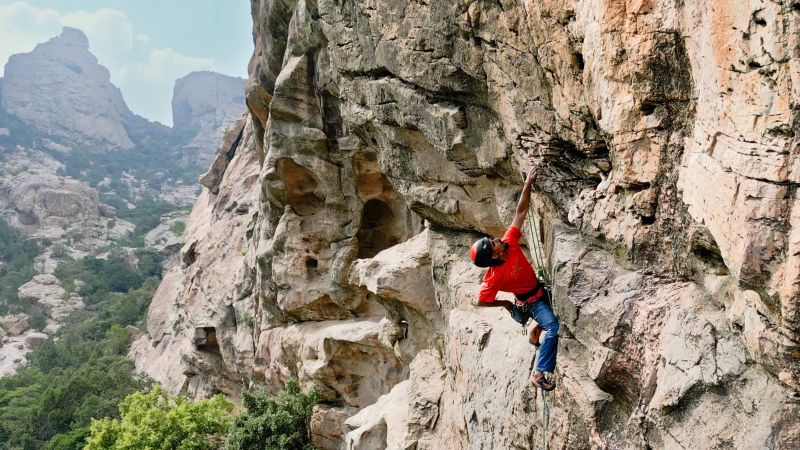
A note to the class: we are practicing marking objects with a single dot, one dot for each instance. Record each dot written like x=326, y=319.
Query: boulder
x=15, y=325
x=33, y=340
x=45, y=291
x=400, y=273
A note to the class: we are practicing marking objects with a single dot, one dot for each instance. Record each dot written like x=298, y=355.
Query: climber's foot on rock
x=538, y=379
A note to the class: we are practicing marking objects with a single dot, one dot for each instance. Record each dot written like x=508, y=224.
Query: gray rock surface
x=16, y=340
x=58, y=209
x=204, y=104
x=667, y=208
x=60, y=90
x=163, y=238
x=14, y=325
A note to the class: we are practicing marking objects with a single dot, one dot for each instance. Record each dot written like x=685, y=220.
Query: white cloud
x=22, y=26
x=167, y=64
x=143, y=38
x=109, y=31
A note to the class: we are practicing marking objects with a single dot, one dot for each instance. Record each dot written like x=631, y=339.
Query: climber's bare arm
x=525, y=199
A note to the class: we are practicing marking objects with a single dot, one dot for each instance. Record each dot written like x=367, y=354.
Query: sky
x=145, y=44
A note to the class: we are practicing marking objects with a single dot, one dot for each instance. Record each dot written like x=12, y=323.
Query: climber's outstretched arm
x=525, y=199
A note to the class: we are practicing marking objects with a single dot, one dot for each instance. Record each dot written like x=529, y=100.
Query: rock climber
x=510, y=271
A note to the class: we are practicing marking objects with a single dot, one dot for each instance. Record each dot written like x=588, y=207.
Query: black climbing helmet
x=481, y=252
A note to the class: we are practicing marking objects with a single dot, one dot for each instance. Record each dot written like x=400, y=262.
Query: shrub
x=83, y=374
x=154, y=420
x=274, y=422
x=60, y=251
x=177, y=228
x=67, y=441
x=36, y=318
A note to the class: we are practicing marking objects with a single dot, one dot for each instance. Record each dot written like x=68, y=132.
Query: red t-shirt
x=515, y=275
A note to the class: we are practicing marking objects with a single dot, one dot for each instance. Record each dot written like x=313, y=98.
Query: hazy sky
x=146, y=44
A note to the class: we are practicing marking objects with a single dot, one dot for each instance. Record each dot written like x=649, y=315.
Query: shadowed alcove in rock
x=377, y=232
x=386, y=219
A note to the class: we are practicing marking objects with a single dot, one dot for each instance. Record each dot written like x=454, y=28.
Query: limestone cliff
x=330, y=243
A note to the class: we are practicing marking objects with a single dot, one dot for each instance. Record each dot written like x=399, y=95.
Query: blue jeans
x=543, y=315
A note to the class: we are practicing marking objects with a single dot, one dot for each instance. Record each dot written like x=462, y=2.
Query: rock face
x=55, y=208
x=386, y=136
x=203, y=105
x=45, y=290
x=214, y=250
x=167, y=237
x=65, y=217
x=16, y=340
x=60, y=90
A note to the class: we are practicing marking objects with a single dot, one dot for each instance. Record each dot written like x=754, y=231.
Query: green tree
x=16, y=267
x=83, y=374
x=68, y=441
x=274, y=422
x=154, y=420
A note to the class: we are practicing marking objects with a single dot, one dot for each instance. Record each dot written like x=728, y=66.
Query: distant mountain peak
x=62, y=91
x=204, y=104
x=73, y=36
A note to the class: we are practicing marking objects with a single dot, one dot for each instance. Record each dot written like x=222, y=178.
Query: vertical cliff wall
x=330, y=243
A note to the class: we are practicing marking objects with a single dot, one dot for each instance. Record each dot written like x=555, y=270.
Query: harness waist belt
x=531, y=296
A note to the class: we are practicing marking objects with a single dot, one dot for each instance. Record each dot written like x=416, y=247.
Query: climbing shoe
x=536, y=333
x=542, y=383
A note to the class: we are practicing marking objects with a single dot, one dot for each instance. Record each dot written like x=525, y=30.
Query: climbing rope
x=537, y=254
x=545, y=419
x=537, y=251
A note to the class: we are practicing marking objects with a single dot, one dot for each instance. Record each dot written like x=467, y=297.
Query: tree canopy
x=154, y=420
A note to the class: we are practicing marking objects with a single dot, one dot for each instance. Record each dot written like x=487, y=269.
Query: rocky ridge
x=61, y=93
x=81, y=105
x=67, y=218
x=58, y=209
x=330, y=241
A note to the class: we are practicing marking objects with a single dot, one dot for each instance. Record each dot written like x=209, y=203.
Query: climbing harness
x=522, y=312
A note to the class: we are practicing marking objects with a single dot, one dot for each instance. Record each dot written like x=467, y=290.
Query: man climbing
x=510, y=271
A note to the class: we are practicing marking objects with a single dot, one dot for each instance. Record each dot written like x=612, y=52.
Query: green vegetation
x=177, y=228
x=154, y=163
x=146, y=216
x=113, y=274
x=280, y=422
x=16, y=267
x=59, y=251
x=84, y=374
x=152, y=420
